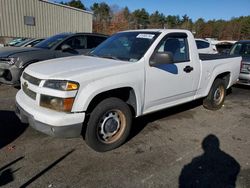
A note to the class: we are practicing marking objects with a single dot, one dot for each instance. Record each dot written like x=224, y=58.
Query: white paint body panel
x=154, y=88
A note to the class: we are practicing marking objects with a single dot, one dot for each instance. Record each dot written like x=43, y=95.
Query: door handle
x=188, y=69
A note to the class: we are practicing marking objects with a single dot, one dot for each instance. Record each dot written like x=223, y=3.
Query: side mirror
x=66, y=48
x=160, y=58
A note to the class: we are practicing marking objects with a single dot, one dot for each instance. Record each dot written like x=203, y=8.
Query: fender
x=219, y=70
x=132, y=80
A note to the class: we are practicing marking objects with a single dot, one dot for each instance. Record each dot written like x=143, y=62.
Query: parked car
x=29, y=42
x=131, y=74
x=15, y=41
x=224, y=47
x=13, y=60
x=205, y=47
x=243, y=48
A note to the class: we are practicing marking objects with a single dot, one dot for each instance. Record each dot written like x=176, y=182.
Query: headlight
x=62, y=85
x=10, y=60
x=56, y=103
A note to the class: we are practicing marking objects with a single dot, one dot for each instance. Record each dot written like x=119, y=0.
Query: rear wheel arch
x=216, y=96
x=224, y=76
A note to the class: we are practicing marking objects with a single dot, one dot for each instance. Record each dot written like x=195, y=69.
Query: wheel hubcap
x=218, y=95
x=111, y=126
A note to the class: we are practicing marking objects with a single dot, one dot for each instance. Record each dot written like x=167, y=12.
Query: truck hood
x=8, y=51
x=75, y=67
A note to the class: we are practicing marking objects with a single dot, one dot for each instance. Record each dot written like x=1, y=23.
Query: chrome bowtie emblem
x=25, y=84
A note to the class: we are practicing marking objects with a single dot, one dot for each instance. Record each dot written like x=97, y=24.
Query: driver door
x=170, y=84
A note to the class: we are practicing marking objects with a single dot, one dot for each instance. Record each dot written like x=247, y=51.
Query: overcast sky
x=207, y=9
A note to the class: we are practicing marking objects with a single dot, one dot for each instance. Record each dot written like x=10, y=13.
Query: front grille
x=28, y=92
x=31, y=79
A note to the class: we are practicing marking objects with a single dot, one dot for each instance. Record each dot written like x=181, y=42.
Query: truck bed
x=205, y=57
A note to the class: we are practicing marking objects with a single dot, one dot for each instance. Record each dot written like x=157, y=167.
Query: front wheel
x=109, y=125
x=216, y=95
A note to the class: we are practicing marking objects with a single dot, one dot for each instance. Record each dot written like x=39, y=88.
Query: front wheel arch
x=126, y=94
x=108, y=125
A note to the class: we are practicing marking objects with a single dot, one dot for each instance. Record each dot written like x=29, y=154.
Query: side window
x=77, y=42
x=247, y=51
x=202, y=44
x=35, y=42
x=93, y=41
x=177, y=46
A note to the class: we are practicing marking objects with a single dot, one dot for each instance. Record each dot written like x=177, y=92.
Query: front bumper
x=47, y=121
x=244, y=79
x=10, y=74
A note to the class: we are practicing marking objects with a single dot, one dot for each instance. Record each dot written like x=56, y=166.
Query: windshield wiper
x=109, y=57
x=92, y=55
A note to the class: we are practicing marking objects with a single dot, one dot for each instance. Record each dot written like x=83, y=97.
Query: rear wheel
x=216, y=95
x=109, y=125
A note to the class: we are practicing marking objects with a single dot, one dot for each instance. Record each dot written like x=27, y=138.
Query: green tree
x=102, y=17
x=141, y=18
x=111, y=19
x=126, y=13
x=198, y=27
x=186, y=22
x=173, y=21
x=245, y=28
x=157, y=20
x=101, y=11
x=75, y=4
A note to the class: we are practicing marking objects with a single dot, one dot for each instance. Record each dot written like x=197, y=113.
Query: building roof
x=66, y=6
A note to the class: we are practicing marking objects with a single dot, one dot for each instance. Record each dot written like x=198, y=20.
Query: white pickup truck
x=131, y=74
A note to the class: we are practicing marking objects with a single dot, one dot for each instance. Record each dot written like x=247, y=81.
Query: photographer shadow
x=10, y=128
x=214, y=168
x=7, y=174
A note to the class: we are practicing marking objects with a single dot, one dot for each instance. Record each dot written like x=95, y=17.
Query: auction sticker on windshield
x=145, y=36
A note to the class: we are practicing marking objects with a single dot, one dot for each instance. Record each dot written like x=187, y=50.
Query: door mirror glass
x=160, y=58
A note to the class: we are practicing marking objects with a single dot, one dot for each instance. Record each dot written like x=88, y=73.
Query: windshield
x=51, y=41
x=242, y=49
x=23, y=42
x=127, y=46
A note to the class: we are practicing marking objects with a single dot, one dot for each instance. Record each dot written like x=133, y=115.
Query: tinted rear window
x=202, y=44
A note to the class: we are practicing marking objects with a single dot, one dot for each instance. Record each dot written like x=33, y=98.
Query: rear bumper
x=46, y=121
x=244, y=79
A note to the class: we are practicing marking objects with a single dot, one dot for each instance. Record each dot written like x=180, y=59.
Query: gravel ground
x=182, y=146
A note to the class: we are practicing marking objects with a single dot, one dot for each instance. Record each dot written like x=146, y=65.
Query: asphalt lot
x=164, y=150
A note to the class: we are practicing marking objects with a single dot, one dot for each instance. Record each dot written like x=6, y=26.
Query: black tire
x=216, y=95
x=109, y=125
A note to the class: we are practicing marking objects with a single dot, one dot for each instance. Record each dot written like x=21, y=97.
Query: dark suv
x=13, y=60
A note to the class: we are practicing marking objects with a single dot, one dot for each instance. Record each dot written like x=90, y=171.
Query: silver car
x=242, y=48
